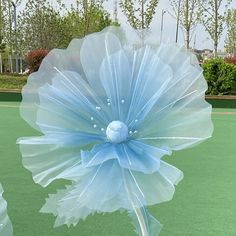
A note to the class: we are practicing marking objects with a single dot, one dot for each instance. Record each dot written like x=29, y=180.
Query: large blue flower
x=109, y=107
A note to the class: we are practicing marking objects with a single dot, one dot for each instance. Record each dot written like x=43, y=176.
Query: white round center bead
x=117, y=131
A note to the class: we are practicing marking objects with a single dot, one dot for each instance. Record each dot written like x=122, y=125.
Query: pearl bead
x=117, y=132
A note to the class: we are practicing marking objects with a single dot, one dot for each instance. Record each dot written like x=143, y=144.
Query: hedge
x=220, y=76
x=12, y=81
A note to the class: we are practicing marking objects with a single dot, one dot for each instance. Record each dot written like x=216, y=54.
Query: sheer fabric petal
x=57, y=59
x=181, y=117
x=95, y=192
x=132, y=155
x=6, y=228
x=94, y=49
x=70, y=105
x=53, y=157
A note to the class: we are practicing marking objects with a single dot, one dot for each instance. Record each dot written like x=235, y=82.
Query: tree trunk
x=10, y=63
x=142, y=13
x=216, y=36
x=187, y=28
x=215, y=49
x=21, y=65
x=85, y=9
x=0, y=62
x=187, y=38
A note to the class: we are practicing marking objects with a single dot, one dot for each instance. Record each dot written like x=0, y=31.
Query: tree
x=86, y=17
x=2, y=26
x=213, y=20
x=188, y=13
x=40, y=26
x=43, y=26
x=8, y=33
x=139, y=13
x=5, y=31
x=231, y=32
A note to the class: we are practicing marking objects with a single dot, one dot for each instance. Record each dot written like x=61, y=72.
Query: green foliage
x=86, y=17
x=139, y=13
x=2, y=24
x=231, y=32
x=12, y=81
x=40, y=26
x=220, y=76
x=213, y=20
x=46, y=24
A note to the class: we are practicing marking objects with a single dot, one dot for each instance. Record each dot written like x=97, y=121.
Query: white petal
x=69, y=104
x=52, y=157
x=67, y=59
x=94, y=49
x=5, y=223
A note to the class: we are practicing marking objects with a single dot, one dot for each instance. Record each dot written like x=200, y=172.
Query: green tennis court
x=204, y=203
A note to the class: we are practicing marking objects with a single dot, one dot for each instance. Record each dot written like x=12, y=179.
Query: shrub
x=34, y=59
x=231, y=60
x=220, y=76
x=12, y=81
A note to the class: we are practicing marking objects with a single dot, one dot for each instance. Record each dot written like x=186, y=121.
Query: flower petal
x=90, y=194
x=181, y=117
x=116, y=79
x=130, y=155
x=171, y=173
x=186, y=123
x=70, y=105
x=94, y=192
x=53, y=157
x=150, y=77
x=94, y=49
x=6, y=228
x=98, y=155
x=140, y=157
x=59, y=59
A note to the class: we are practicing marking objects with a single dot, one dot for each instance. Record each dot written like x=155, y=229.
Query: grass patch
x=12, y=81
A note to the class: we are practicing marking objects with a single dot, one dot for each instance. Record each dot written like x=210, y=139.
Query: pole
x=142, y=14
x=15, y=26
x=177, y=25
x=162, y=21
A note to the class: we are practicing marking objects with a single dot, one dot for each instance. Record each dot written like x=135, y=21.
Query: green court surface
x=204, y=203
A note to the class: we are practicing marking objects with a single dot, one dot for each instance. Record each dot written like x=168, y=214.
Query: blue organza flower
x=109, y=107
x=5, y=223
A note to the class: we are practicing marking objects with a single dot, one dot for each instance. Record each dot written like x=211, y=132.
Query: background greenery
x=220, y=76
x=12, y=81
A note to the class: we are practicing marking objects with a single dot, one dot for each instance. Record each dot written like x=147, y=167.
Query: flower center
x=117, y=131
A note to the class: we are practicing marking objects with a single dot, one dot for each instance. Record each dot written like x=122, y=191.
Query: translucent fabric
x=5, y=223
x=156, y=93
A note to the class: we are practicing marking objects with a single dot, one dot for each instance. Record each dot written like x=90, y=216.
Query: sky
x=199, y=36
